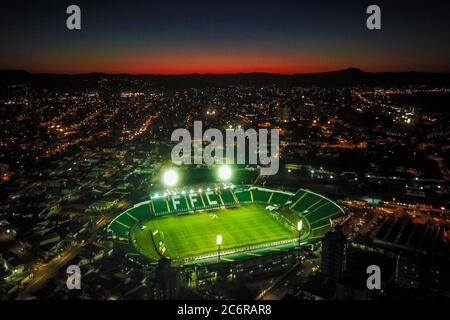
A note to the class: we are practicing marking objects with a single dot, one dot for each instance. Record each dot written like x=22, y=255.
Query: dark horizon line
x=222, y=74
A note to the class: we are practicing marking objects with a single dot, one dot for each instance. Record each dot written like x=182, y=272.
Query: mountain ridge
x=344, y=77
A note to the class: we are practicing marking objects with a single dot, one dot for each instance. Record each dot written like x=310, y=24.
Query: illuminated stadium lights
x=219, y=240
x=299, y=229
x=219, y=243
x=224, y=173
x=170, y=178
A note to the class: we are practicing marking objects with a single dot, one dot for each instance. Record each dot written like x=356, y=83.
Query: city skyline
x=199, y=37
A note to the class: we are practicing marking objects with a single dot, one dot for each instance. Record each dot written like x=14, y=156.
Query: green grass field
x=195, y=234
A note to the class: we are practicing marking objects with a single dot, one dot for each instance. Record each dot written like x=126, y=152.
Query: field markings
x=193, y=234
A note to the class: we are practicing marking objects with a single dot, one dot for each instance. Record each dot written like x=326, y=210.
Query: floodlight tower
x=170, y=178
x=224, y=173
x=299, y=229
x=219, y=243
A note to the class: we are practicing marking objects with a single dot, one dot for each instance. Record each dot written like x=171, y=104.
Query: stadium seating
x=178, y=203
x=119, y=229
x=279, y=198
x=316, y=209
x=261, y=195
x=228, y=197
x=160, y=205
x=244, y=196
x=141, y=212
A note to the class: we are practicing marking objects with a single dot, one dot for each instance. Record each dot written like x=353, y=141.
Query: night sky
x=177, y=37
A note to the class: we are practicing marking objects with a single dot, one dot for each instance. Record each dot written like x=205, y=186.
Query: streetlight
x=219, y=243
x=299, y=229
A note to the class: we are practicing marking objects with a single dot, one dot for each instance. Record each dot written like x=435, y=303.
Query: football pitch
x=195, y=234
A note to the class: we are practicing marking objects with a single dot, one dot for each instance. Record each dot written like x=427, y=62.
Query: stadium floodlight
x=170, y=178
x=219, y=243
x=299, y=229
x=224, y=173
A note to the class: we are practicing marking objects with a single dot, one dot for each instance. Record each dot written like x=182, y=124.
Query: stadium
x=223, y=222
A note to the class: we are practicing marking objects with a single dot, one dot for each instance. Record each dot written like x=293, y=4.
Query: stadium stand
x=228, y=197
x=141, y=212
x=317, y=210
x=244, y=196
x=279, y=198
x=261, y=195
